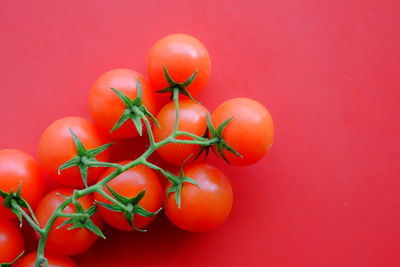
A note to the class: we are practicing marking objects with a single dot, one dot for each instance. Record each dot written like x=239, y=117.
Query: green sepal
x=12, y=197
x=8, y=264
x=130, y=207
x=83, y=221
x=221, y=144
x=84, y=157
x=177, y=184
x=112, y=207
x=95, y=151
x=175, y=85
x=134, y=110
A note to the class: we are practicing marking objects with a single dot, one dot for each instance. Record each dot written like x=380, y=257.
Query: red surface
x=329, y=192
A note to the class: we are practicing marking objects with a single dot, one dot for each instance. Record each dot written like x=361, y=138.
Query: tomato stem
x=85, y=159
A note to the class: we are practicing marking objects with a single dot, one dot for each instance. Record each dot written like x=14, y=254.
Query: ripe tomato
x=56, y=147
x=129, y=184
x=54, y=260
x=250, y=132
x=63, y=241
x=192, y=118
x=106, y=107
x=11, y=242
x=202, y=208
x=182, y=55
x=17, y=167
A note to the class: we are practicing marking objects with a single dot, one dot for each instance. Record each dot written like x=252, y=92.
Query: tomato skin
x=54, y=260
x=18, y=167
x=192, y=118
x=129, y=184
x=56, y=147
x=11, y=242
x=63, y=241
x=250, y=132
x=182, y=55
x=205, y=208
x=106, y=107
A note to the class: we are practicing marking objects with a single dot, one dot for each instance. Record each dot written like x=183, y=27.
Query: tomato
x=17, y=167
x=129, y=184
x=54, y=260
x=182, y=55
x=56, y=147
x=202, y=208
x=192, y=118
x=250, y=132
x=63, y=241
x=106, y=107
x=11, y=242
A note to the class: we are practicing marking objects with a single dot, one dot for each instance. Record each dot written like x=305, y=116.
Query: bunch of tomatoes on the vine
x=128, y=195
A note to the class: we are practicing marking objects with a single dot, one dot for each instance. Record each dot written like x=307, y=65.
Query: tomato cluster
x=127, y=196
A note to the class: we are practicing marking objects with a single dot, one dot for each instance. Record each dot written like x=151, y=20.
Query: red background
x=328, y=194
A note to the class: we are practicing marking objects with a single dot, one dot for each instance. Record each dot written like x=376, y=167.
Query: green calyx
x=129, y=207
x=84, y=158
x=177, y=184
x=220, y=144
x=82, y=219
x=179, y=86
x=134, y=110
x=14, y=261
x=15, y=198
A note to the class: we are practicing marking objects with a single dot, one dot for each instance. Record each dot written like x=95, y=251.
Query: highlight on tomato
x=130, y=184
x=250, y=131
x=192, y=119
x=53, y=260
x=56, y=146
x=64, y=238
x=182, y=55
x=11, y=242
x=106, y=108
x=18, y=168
x=204, y=206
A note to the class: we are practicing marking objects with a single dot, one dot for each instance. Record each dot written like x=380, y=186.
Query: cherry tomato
x=202, y=208
x=192, y=118
x=17, y=167
x=54, y=260
x=63, y=241
x=250, y=132
x=106, y=107
x=56, y=147
x=182, y=55
x=129, y=184
x=11, y=242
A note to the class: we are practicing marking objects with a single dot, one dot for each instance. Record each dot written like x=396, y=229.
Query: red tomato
x=192, y=118
x=54, y=260
x=250, y=132
x=63, y=241
x=11, y=242
x=182, y=55
x=129, y=184
x=202, y=208
x=56, y=147
x=106, y=107
x=17, y=167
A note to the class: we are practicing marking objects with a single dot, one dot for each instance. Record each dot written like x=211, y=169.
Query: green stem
x=194, y=142
x=149, y=131
x=196, y=137
x=98, y=187
x=28, y=218
x=71, y=215
x=176, y=103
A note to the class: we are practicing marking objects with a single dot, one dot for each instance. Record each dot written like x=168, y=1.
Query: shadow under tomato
x=159, y=241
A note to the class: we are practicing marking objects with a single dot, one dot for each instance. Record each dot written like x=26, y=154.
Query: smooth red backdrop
x=329, y=71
